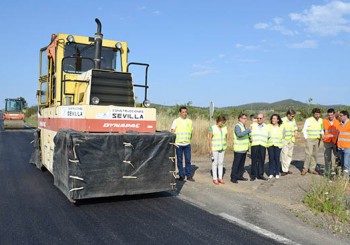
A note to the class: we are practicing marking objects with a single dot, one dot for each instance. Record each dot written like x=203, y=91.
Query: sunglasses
x=259, y=118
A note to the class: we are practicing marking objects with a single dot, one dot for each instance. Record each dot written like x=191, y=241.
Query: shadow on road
x=114, y=199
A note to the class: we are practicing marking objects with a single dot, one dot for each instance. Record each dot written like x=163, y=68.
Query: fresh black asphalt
x=34, y=211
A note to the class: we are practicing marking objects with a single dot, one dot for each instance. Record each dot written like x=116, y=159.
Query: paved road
x=34, y=211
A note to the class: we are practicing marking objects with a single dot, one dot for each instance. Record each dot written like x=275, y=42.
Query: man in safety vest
x=240, y=148
x=288, y=144
x=313, y=133
x=344, y=142
x=259, y=136
x=331, y=126
x=182, y=127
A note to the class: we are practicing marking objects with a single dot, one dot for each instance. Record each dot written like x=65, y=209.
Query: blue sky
x=230, y=52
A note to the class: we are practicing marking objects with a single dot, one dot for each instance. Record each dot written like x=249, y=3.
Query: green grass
x=328, y=197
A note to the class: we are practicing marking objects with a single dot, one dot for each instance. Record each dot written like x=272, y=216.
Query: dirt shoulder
x=276, y=204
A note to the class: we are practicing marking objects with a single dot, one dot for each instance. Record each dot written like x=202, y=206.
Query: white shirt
x=173, y=128
x=306, y=125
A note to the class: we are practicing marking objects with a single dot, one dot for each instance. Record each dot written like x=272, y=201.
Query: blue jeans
x=344, y=154
x=186, y=151
x=274, y=160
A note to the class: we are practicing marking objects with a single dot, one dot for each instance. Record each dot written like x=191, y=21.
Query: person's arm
x=173, y=127
x=241, y=133
x=210, y=141
x=322, y=131
x=295, y=128
x=306, y=125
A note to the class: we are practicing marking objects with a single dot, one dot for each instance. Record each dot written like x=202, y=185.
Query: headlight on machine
x=146, y=103
x=118, y=45
x=95, y=100
x=70, y=38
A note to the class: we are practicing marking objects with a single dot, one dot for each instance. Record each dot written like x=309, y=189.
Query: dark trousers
x=274, y=160
x=258, y=160
x=184, y=151
x=237, y=169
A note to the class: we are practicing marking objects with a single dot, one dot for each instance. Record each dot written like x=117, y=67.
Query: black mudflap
x=36, y=155
x=89, y=165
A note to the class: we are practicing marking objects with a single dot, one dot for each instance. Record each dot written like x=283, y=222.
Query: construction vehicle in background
x=13, y=115
x=91, y=134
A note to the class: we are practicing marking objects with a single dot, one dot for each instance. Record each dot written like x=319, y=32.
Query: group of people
x=277, y=138
x=334, y=131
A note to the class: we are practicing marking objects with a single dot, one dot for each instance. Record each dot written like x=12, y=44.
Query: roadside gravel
x=275, y=205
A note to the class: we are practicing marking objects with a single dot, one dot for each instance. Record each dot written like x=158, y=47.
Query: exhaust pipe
x=98, y=45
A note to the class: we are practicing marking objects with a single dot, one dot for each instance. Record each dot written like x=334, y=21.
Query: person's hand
x=296, y=133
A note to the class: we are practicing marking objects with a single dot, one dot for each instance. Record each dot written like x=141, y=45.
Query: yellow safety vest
x=315, y=128
x=259, y=134
x=218, y=142
x=276, y=136
x=240, y=144
x=183, y=131
x=290, y=127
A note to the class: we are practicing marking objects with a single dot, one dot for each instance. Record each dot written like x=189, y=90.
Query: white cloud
x=202, y=70
x=247, y=60
x=305, y=44
x=261, y=25
x=329, y=19
x=248, y=47
x=275, y=25
x=156, y=12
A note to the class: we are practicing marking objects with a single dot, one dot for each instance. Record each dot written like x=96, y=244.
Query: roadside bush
x=327, y=196
x=30, y=116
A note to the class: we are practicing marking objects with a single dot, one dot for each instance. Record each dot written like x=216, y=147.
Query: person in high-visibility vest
x=331, y=125
x=240, y=148
x=259, y=137
x=217, y=147
x=277, y=132
x=313, y=134
x=182, y=127
x=253, y=119
x=344, y=142
x=288, y=142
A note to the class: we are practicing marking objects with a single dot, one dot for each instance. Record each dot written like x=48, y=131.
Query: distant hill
x=280, y=105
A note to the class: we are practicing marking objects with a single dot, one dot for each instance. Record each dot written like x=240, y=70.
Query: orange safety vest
x=330, y=131
x=344, y=135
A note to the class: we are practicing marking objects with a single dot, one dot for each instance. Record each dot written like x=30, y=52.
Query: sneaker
x=277, y=176
x=270, y=176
